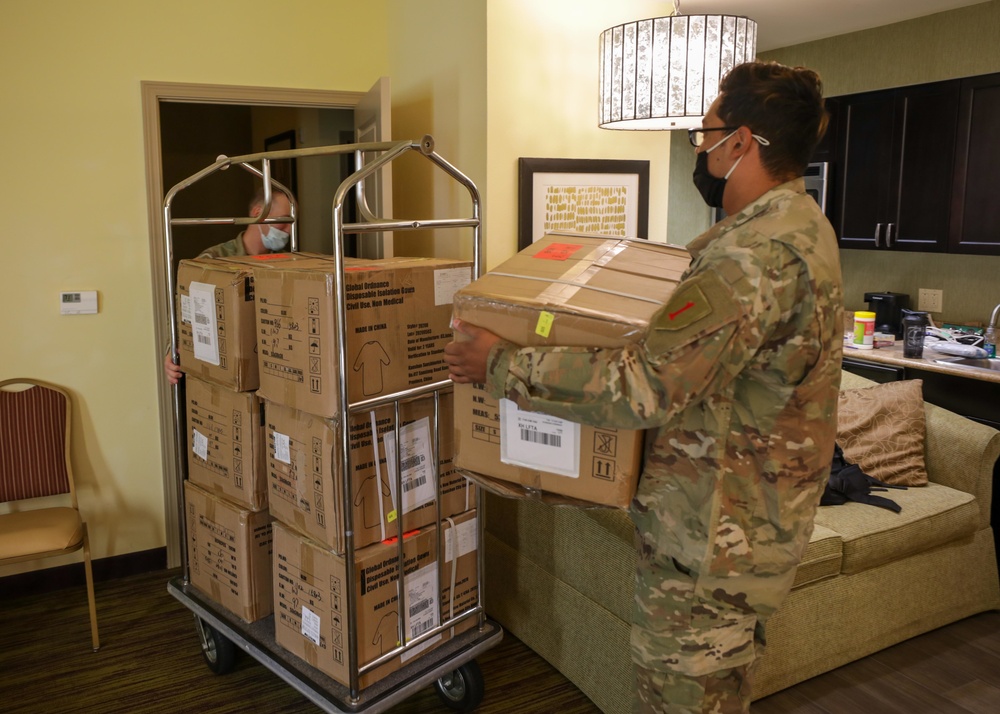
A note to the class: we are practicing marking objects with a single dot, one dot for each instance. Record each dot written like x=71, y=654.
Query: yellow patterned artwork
x=586, y=209
x=596, y=196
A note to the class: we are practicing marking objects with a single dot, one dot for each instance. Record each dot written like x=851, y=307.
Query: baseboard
x=63, y=576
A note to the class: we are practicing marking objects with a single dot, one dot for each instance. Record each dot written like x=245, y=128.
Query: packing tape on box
x=562, y=290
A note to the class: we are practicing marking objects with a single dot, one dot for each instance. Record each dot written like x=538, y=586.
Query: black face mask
x=710, y=187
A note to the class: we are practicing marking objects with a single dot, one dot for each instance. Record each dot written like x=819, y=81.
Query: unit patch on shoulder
x=686, y=306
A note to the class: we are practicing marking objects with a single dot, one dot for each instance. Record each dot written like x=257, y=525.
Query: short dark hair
x=258, y=197
x=782, y=104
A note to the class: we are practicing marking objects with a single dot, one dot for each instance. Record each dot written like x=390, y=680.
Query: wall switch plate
x=80, y=302
x=930, y=300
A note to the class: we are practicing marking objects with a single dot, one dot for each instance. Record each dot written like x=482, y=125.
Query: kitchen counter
x=894, y=356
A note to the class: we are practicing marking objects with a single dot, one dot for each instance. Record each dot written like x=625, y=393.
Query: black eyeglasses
x=697, y=136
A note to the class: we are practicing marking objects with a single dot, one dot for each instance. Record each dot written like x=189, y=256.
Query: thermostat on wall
x=81, y=302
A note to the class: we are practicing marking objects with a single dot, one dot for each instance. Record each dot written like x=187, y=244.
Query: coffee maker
x=888, y=309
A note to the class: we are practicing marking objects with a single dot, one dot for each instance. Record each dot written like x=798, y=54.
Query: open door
x=372, y=122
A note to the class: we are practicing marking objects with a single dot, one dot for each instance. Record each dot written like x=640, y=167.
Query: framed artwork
x=606, y=196
x=283, y=170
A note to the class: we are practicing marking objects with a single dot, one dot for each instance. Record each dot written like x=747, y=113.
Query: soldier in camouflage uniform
x=736, y=382
x=255, y=240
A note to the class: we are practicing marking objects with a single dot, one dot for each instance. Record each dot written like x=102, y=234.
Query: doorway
x=177, y=135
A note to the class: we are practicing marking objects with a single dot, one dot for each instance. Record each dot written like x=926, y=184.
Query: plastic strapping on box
x=561, y=295
x=454, y=568
x=378, y=476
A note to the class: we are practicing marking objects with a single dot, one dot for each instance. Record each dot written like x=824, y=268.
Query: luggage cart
x=451, y=666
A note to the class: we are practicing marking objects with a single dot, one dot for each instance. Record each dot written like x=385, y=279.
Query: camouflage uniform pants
x=695, y=639
x=723, y=692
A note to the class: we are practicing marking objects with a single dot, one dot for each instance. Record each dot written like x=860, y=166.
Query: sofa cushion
x=930, y=516
x=590, y=550
x=822, y=559
x=882, y=430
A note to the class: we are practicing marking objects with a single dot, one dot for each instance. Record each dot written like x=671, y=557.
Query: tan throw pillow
x=882, y=430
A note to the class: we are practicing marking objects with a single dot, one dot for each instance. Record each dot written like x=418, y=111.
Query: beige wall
x=437, y=63
x=542, y=102
x=74, y=206
x=945, y=46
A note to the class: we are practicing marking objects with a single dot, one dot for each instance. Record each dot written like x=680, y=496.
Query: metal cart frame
x=451, y=665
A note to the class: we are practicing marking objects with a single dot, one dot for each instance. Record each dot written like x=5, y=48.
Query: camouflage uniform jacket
x=736, y=381
x=225, y=250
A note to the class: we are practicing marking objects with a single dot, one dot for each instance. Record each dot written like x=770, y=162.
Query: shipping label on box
x=229, y=553
x=542, y=452
x=306, y=486
x=226, y=442
x=311, y=586
x=216, y=322
x=398, y=314
x=563, y=290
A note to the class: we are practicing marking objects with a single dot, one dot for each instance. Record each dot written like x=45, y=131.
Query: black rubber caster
x=220, y=653
x=462, y=690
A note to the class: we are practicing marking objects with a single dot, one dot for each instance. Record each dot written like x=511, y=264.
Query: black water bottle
x=914, y=327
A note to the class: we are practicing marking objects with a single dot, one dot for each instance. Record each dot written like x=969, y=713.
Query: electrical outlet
x=930, y=300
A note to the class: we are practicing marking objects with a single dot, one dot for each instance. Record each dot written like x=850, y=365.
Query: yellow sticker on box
x=544, y=324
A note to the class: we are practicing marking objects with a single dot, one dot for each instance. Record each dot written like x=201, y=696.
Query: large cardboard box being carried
x=226, y=442
x=229, y=553
x=306, y=486
x=310, y=587
x=217, y=334
x=398, y=316
x=572, y=290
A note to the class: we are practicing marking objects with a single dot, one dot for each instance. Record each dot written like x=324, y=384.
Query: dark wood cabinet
x=975, y=212
x=896, y=156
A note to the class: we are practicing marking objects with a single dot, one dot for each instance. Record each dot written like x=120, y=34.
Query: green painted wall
x=959, y=43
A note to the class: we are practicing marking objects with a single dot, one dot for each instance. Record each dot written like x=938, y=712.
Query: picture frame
x=283, y=170
x=604, y=196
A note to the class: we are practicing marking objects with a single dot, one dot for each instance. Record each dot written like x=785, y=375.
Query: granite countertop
x=894, y=356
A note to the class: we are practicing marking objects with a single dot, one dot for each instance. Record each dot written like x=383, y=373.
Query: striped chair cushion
x=32, y=444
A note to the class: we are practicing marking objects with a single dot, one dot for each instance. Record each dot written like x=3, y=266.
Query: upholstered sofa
x=560, y=578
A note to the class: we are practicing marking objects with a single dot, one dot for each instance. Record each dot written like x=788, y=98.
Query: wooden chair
x=35, y=463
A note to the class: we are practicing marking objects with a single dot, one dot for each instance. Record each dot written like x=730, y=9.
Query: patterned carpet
x=150, y=661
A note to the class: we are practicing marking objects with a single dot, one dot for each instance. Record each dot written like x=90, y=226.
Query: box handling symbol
x=606, y=444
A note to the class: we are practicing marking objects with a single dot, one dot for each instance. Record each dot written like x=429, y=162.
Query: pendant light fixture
x=664, y=73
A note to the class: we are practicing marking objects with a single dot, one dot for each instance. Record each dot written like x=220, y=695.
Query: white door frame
x=152, y=94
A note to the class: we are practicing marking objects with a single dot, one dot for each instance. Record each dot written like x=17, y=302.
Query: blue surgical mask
x=274, y=239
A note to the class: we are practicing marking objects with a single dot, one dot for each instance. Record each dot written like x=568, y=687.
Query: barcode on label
x=414, y=483
x=419, y=606
x=541, y=437
x=412, y=461
x=203, y=339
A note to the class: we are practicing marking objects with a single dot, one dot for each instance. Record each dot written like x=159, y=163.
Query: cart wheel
x=219, y=652
x=462, y=689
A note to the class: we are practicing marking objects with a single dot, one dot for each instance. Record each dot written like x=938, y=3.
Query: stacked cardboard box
x=398, y=317
x=567, y=290
x=226, y=442
x=397, y=321
x=229, y=553
x=216, y=323
x=226, y=494
x=304, y=457
x=311, y=618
